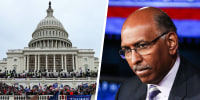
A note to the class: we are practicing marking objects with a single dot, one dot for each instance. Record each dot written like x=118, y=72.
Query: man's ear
x=172, y=42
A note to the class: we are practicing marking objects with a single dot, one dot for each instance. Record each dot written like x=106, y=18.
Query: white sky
x=84, y=20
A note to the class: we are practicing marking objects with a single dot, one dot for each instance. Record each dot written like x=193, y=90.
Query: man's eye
x=127, y=50
x=142, y=46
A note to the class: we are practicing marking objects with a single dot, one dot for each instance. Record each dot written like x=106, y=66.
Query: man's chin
x=148, y=80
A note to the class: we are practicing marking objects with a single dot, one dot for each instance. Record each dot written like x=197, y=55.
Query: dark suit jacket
x=186, y=85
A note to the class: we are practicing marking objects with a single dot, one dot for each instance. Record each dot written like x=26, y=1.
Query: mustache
x=141, y=67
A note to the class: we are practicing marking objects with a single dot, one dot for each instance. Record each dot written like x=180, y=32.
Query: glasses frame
x=148, y=44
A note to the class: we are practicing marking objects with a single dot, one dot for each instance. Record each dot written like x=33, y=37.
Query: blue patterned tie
x=153, y=92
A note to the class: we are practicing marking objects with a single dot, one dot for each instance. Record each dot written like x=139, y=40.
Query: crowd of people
x=16, y=89
x=13, y=74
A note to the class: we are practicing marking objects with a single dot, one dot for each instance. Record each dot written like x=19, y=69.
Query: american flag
x=184, y=14
x=40, y=86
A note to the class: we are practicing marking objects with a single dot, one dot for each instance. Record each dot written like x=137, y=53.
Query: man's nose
x=135, y=57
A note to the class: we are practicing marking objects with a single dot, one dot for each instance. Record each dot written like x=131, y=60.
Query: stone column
x=73, y=61
x=28, y=63
x=76, y=63
x=62, y=60
x=54, y=63
x=38, y=62
x=35, y=63
x=46, y=63
x=65, y=64
x=56, y=44
x=25, y=63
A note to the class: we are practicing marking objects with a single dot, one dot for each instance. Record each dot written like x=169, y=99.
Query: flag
x=187, y=20
x=85, y=85
x=40, y=86
x=26, y=89
x=61, y=85
x=55, y=85
x=55, y=97
x=45, y=85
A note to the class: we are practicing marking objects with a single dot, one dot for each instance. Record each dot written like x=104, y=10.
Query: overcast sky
x=84, y=20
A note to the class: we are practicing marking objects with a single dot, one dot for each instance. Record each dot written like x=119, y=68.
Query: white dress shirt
x=166, y=84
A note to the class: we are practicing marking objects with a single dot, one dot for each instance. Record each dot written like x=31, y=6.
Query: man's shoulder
x=187, y=81
x=189, y=72
x=188, y=67
x=132, y=88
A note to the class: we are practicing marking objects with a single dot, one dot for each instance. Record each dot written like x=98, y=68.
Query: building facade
x=50, y=50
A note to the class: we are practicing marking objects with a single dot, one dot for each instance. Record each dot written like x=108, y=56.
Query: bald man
x=149, y=44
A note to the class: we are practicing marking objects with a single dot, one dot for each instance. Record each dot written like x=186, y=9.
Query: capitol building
x=50, y=50
x=49, y=59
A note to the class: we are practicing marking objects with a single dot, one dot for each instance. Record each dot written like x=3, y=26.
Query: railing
x=4, y=97
x=66, y=78
x=46, y=97
x=28, y=97
x=84, y=78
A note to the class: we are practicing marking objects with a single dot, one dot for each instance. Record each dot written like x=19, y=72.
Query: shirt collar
x=168, y=80
x=166, y=83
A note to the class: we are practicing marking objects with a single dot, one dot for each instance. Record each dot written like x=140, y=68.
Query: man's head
x=152, y=35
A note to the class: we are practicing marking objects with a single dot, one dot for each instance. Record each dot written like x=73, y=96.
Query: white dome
x=50, y=33
x=50, y=22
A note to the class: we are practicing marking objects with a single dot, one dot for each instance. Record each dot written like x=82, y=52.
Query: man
x=149, y=44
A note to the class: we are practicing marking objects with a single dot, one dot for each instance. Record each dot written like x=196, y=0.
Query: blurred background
x=114, y=70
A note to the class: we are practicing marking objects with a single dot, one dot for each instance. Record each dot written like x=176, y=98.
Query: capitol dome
x=50, y=33
x=50, y=21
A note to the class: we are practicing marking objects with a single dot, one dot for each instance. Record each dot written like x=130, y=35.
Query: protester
x=49, y=90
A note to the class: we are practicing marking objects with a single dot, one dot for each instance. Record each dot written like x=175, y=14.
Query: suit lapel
x=178, y=91
x=143, y=92
x=138, y=92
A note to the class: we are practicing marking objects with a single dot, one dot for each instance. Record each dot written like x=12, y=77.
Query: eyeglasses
x=141, y=49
